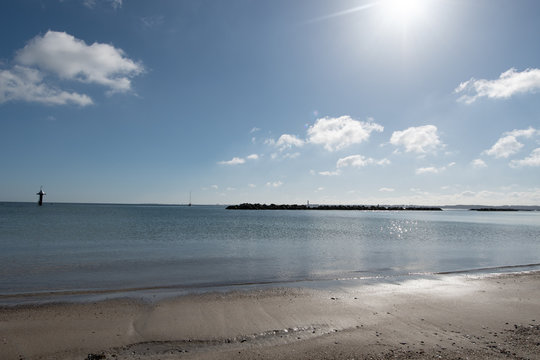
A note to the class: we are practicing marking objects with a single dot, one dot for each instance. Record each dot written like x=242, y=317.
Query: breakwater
x=248, y=206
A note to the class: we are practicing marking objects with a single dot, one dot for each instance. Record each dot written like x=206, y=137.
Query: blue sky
x=350, y=102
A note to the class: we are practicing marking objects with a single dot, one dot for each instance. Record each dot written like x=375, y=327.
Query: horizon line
x=226, y=204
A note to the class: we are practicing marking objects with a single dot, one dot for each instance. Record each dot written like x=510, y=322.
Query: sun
x=405, y=12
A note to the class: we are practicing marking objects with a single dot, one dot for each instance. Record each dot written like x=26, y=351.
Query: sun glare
x=405, y=12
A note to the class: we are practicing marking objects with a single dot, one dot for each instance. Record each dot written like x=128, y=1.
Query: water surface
x=89, y=247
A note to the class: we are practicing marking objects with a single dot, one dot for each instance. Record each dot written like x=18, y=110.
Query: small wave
x=363, y=276
x=490, y=269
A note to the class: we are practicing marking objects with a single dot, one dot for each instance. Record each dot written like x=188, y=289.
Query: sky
x=427, y=102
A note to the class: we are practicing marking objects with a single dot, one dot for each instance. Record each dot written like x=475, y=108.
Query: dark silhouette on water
x=40, y=193
x=247, y=206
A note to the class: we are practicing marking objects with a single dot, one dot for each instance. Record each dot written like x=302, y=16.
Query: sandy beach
x=452, y=317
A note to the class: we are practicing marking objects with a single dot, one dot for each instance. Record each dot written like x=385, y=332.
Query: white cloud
x=478, y=163
x=252, y=186
x=433, y=169
x=420, y=139
x=338, y=133
x=428, y=170
x=291, y=155
x=529, y=196
x=525, y=197
x=359, y=161
x=504, y=147
x=509, y=83
x=255, y=129
x=287, y=141
x=238, y=160
x=26, y=84
x=385, y=189
x=214, y=187
x=72, y=59
x=527, y=133
x=233, y=161
x=62, y=55
x=274, y=184
x=329, y=173
x=508, y=144
x=532, y=160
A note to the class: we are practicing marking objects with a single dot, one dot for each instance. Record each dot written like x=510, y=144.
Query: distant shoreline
x=475, y=207
x=498, y=209
x=248, y=206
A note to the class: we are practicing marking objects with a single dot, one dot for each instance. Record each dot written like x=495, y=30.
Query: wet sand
x=452, y=317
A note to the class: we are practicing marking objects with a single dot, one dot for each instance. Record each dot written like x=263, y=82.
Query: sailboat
x=189, y=204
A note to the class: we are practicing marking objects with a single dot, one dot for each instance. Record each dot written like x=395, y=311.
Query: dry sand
x=454, y=317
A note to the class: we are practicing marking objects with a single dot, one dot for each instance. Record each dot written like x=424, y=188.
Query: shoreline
x=450, y=316
x=161, y=292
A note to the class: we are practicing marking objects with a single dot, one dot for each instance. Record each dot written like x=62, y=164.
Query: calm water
x=75, y=247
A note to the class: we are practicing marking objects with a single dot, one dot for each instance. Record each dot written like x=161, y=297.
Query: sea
x=79, y=252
